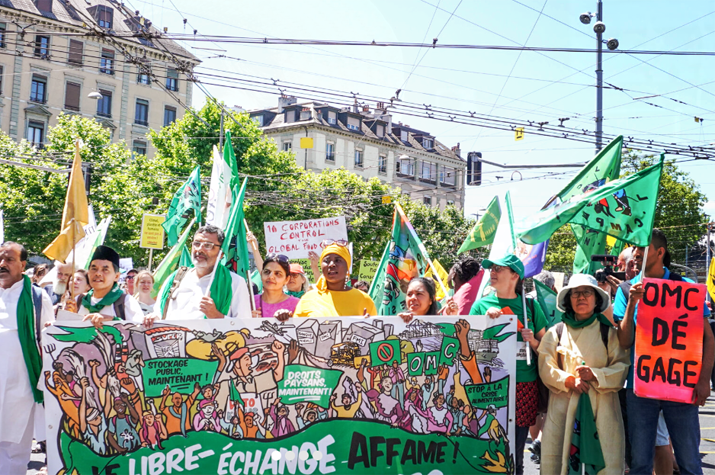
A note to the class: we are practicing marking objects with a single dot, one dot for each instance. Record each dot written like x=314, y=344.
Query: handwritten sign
x=296, y=239
x=669, y=340
x=152, y=236
x=367, y=270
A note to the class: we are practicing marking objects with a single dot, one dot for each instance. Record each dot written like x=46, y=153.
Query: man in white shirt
x=106, y=300
x=24, y=311
x=185, y=294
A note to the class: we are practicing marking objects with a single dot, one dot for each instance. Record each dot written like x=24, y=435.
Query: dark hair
x=360, y=283
x=569, y=308
x=431, y=292
x=211, y=229
x=659, y=240
x=39, y=268
x=285, y=265
x=519, y=289
x=23, y=251
x=465, y=268
x=84, y=273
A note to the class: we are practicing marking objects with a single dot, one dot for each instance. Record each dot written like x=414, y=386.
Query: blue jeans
x=683, y=426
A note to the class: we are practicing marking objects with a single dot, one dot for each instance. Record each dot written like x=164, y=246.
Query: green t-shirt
x=537, y=321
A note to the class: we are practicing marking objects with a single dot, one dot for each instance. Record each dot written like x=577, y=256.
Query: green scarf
x=298, y=294
x=26, y=332
x=221, y=290
x=107, y=300
x=570, y=320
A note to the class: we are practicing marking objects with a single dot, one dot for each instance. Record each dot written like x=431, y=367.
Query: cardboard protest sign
x=296, y=239
x=669, y=340
x=261, y=396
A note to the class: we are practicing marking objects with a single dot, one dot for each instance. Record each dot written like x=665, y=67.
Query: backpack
x=176, y=281
x=118, y=305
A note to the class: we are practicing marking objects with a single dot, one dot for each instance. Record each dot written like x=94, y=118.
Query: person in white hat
x=582, y=355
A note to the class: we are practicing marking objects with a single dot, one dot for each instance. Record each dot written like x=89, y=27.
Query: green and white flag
x=624, y=209
x=186, y=199
x=175, y=257
x=603, y=168
x=547, y=299
x=404, y=258
x=586, y=454
x=483, y=232
x=224, y=178
x=235, y=246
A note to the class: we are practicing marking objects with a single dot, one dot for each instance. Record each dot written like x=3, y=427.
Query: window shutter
x=353, y=122
x=72, y=91
x=76, y=48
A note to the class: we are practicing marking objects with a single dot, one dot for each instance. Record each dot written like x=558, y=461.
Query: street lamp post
x=599, y=28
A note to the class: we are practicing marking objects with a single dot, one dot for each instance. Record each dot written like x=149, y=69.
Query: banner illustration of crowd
x=345, y=395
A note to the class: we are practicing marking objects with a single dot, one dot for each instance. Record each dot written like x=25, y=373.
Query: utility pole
x=707, y=258
x=599, y=80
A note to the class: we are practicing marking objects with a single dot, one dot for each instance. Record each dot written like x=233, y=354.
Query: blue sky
x=525, y=86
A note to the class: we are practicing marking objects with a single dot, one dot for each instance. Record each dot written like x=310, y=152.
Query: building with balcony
x=54, y=53
x=368, y=143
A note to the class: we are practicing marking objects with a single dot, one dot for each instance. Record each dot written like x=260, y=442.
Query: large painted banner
x=255, y=396
x=669, y=340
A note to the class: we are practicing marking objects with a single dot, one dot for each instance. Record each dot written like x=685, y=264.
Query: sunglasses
x=277, y=257
x=339, y=242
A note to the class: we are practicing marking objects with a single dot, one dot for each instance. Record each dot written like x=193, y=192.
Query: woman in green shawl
x=582, y=355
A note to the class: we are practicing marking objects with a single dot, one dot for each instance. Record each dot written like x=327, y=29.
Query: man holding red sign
x=668, y=364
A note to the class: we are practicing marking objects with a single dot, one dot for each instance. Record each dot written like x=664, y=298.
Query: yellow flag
x=711, y=280
x=519, y=133
x=61, y=247
x=75, y=214
x=442, y=274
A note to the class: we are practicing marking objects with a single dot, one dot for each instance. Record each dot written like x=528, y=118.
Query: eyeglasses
x=339, y=242
x=130, y=277
x=205, y=245
x=277, y=257
x=497, y=269
x=582, y=293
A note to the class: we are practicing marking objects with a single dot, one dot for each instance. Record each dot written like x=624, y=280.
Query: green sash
x=26, y=332
x=107, y=300
x=221, y=290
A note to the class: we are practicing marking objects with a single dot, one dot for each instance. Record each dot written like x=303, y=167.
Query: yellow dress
x=610, y=369
x=329, y=303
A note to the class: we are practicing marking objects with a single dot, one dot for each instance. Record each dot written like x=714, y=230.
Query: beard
x=59, y=287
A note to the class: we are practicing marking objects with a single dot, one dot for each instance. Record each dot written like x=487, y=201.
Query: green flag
x=547, y=299
x=585, y=444
x=624, y=209
x=186, y=199
x=235, y=246
x=404, y=257
x=175, y=257
x=483, y=232
x=603, y=168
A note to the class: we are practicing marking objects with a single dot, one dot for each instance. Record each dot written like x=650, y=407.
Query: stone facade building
x=369, y=144
x=83, y=57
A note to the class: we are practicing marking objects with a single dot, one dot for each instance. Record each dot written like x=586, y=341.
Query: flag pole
x=249, y=282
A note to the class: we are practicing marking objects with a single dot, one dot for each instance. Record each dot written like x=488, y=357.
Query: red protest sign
x=669, y=340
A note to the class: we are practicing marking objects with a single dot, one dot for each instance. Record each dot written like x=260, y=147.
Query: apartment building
x=368, y=143
x=88, y=57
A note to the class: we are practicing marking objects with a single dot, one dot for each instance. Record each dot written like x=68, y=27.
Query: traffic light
x=474, y=169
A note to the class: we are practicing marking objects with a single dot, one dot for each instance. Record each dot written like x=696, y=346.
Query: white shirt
x=186, y=299
x=132, y=310
x=16, y=399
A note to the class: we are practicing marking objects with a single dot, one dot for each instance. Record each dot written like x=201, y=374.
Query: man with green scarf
x=24, y=311
x=208, y=290
x=106, y=300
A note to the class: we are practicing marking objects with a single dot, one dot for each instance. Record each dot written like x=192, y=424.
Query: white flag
x=2, y=227
x=219, y=192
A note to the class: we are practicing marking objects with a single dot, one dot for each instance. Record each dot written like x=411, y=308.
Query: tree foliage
x=126, y=187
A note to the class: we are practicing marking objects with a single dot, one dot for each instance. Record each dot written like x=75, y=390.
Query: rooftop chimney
x=284, y=101
x=457, y=150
